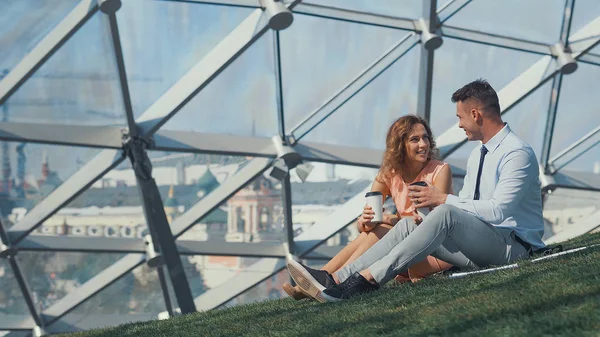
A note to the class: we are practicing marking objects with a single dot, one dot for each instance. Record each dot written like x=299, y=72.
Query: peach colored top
x=399, y=189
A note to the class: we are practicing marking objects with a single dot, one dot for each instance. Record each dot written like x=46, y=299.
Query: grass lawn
x=558, y=296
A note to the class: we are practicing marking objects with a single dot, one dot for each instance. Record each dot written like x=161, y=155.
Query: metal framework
x=144, y=134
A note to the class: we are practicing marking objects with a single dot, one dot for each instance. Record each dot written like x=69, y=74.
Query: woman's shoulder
x=432, y=168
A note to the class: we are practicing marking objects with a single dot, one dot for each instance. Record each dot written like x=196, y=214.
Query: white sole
x=309, y=285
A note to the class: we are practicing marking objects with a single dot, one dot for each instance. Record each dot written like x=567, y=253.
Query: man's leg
x=449, y=234
x=379, y=250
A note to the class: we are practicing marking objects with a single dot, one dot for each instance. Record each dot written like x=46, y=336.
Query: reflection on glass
x=240, y=101
x=253, y=214
x=30, y=172
x=162, y=40
x=457, y=63
x=585, y=11
x=24, y=23
x=513, y=18
x=77, y=85
x=339, y=52
x=52, y=276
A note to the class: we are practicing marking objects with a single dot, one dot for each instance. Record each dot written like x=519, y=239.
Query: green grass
x=560, y=296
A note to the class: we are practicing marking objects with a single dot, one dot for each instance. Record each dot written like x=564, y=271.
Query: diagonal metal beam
x=227, y=51
x=574, y=151
x=590, y=58
x=347, y=15
x=215, y=62
x=495, y=40
x=199, y=142
x=55, y=134
x=249, y=172
x=93, y=286
x=46, y=47
x=359, y=82
x=105, y=161
x=449, y=9
x=228, y=3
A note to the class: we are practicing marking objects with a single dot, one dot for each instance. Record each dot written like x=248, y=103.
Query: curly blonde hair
x=395, y=146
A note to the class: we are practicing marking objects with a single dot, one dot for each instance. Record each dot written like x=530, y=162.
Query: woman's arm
x=443, y=180
x=364, y=221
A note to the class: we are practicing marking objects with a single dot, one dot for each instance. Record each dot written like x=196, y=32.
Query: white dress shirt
x=510, y=193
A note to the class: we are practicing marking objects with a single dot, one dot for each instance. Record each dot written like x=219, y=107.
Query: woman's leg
x=341, y=258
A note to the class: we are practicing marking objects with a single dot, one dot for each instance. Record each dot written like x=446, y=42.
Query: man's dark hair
x=481, y=91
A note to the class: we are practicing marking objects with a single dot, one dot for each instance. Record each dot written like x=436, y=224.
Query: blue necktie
x=484, y=151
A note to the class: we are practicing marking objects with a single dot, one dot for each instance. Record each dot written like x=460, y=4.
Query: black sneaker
x=311, y=281
x=356, y=284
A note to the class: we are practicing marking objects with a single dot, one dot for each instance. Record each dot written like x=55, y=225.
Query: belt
x=525, y=244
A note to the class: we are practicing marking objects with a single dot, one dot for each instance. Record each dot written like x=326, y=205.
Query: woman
x=410, y=156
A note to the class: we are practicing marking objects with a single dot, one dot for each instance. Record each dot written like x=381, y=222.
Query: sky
x=162, y=40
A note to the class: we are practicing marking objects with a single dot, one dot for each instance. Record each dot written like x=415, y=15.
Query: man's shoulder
x=513, y=142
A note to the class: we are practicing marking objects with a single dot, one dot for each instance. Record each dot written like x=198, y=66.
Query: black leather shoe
x=311, y=281
x=354, y=285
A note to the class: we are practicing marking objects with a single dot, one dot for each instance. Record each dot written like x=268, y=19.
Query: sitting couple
x=496, y=218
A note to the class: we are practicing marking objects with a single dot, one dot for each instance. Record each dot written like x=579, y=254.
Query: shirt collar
x=493, y=143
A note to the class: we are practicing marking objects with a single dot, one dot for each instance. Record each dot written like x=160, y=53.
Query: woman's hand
x=364, y=220
x=390, y=219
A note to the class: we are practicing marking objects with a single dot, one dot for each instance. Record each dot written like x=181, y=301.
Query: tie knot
x=484, y=150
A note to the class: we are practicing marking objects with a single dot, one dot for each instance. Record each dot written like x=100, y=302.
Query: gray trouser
x=447, y=233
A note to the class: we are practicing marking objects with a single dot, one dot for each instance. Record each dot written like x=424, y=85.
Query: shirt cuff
x=452, y=199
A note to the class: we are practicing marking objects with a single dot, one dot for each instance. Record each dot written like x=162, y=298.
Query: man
x=496, y=218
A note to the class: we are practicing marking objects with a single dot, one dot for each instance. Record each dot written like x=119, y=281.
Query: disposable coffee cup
x=422, y=211
x=375, y=200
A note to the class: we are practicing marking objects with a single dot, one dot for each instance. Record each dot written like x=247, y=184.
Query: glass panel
x=564, y=208
x=52, y=276
x=457, y=63
x=135, y=297
x=11, y=297
x=528, y=118
x=24, y=23
x=240, y=101
x=534, y=20
x=77, y=85
x=578, y=108
x=364, y=120
x=32, y=171
x=253, y=214
x=585, y=11
x=269, y=289
x=162, y=40
x=340, y=51
x=397, y=8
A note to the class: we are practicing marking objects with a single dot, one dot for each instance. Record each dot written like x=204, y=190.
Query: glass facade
x=144, y=137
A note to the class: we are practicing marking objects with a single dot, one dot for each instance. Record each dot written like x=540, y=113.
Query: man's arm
x=517, y=174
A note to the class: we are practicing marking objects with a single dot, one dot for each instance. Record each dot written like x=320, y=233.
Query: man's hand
x=417, y=219
x=426, y=196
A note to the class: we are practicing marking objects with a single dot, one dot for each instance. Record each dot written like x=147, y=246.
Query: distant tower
x=180, y=169
x=171, y=205
x=6, y=171
x=330, y=172
x=21, y=161
x=45, y=167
